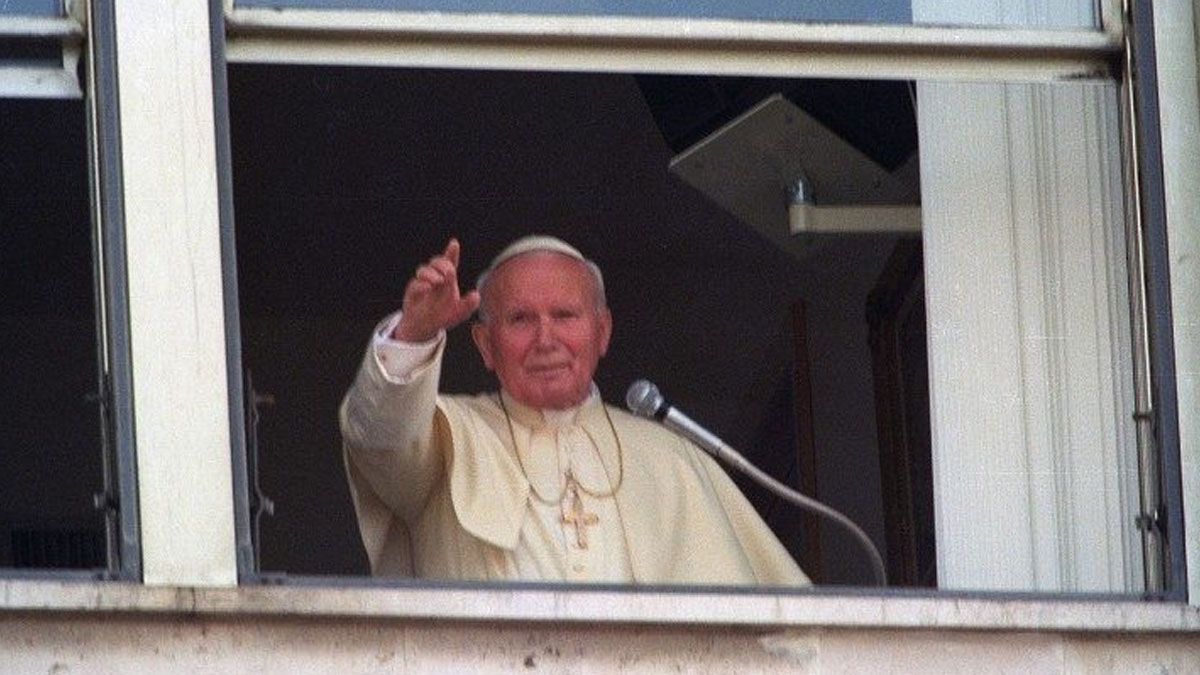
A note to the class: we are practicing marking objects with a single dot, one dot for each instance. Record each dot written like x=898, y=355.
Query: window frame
x=85, y=32
x=719, y=47
x=1150, y=198
x=41, y=80
x=112, y=307
x=621, y=44
x=157, y=191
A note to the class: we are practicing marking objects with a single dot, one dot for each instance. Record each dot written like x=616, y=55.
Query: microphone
x=644, y=400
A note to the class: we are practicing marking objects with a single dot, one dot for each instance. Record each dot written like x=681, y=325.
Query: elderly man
x=542, y=480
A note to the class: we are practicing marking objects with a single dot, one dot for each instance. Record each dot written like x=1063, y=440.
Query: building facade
x=250, y=173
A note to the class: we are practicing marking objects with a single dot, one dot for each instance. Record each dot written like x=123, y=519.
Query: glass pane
x=1047, y=13
x=906, y=299
x=32, y=7
x=1040, y=14
x=50, y=428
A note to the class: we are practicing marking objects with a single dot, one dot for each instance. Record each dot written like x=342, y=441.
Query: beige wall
x=97, y=643
x=80, y=627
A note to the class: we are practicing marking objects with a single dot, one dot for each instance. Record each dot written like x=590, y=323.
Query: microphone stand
x=644, y=399
x=764, y=479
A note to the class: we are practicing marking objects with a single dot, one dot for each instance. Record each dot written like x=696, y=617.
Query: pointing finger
x=452, y=251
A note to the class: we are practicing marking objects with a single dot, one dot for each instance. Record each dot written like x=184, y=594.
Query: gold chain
x=571, y=478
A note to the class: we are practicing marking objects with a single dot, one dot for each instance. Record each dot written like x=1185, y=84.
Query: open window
x=907, y=298
x=51, y=434
x=61, y=360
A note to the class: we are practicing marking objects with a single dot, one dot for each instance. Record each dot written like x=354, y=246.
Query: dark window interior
x=345, y=179
x=49, y=406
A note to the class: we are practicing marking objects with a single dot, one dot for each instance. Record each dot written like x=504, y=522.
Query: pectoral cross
x=577, y=515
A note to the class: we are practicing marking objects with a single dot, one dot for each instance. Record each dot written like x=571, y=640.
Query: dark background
x=49, y=414
x=346, y=178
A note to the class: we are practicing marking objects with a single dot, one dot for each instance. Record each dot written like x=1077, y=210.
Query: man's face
x=544, y=334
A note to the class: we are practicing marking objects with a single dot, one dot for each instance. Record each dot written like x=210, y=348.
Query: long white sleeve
x=398, y=360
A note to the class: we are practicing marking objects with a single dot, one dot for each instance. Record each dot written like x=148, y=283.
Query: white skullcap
x=535, y=244
x=532, y=243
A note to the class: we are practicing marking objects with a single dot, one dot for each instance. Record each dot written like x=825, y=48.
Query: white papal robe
x=441, y=492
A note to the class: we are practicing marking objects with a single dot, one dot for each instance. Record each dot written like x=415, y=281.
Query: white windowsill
x=610, y=606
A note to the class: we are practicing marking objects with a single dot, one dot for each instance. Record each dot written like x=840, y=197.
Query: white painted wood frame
x=172, y=232
x=1035, y=476
x=671, y=45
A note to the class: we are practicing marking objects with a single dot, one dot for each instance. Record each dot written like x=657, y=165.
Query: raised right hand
x=432, y=300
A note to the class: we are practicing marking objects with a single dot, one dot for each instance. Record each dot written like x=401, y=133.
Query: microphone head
x=643, y=399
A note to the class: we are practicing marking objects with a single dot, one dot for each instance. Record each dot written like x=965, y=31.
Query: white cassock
x=441, y=491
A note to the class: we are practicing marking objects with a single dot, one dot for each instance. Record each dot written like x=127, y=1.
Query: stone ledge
x=607, y=605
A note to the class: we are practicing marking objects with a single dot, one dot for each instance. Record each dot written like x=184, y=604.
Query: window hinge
x=1153, y=522
x=105, y=501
